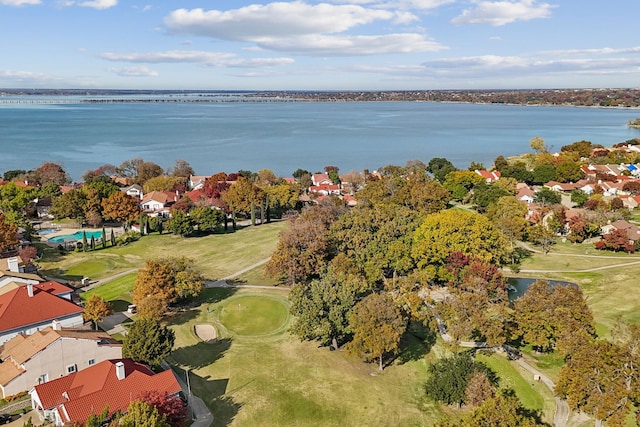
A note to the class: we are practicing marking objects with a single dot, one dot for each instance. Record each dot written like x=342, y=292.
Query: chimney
x=13, y=264
x=120, y=373
x=57, y=326
x=30, y=290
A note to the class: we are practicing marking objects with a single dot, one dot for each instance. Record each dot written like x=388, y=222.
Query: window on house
x=43, y=378
x=71, y=369
x=92, y=361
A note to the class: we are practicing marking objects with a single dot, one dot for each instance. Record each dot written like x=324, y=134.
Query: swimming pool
x=76, y=236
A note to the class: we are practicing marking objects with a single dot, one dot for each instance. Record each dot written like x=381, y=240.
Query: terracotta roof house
x=158, y=201
x=29, y=360
x=632, y=230
x=490, y=177
x=560, y=186
x=525, y=194
x=320, y=178
x=27, y=309
x=325, y=189
x=115, y=382
x=196, y=182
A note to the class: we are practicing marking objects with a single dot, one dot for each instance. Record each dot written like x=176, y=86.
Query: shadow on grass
x=416, y=342
x=57, y=273
x=201, y=354
x=214, y=394
x=215, y=295
x=120, y=305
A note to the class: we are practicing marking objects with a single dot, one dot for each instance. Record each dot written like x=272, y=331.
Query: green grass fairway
x=254, y=315
x=216, y=255
x=117, y=291
x=277, y=380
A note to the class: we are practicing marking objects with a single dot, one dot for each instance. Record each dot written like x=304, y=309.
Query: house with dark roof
x=53, y=352
x=134, y=191
x=29, y=308
x=116, y=382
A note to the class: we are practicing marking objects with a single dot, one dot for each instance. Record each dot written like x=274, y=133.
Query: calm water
x=286, y=136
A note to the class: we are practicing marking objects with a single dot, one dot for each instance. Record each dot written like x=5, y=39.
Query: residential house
x=29, y=308
x=134, y=191
x=632, y=230
x=116, y=382
x=159, y=202
x=325, y=189
x=43, y=206
x=525, y=193
x=196, y=182
x=490, y=177
x=29, y=360
x=320, y=178
x=560, y=186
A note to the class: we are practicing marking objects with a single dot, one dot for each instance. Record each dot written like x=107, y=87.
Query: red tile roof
x=91, y=389
x=18, y=309
x=54, y=288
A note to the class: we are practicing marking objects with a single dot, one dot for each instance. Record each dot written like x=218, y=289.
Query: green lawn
x=254, y=315
x=117, y=291
x=217, y=255
x=277, y=380
x=258, y=373
x=533, y=395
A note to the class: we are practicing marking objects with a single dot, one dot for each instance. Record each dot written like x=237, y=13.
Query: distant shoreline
x=595, y=98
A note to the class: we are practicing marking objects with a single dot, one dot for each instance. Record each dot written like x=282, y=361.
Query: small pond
x=519, y=285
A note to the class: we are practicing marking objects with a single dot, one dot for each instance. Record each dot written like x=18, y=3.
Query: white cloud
x=320, y=45
x=215, y=59
x=98, y=4
x=134, y=72
x=256, y=22
x=400, y=4
x=597, y=51
x=19, y=2
x=478, y=67
x=503, y=12
x=303, y=29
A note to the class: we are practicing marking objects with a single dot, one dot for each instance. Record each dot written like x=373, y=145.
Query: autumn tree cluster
x=165, y=281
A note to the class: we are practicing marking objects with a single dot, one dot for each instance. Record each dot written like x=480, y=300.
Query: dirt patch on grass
x=206, y=333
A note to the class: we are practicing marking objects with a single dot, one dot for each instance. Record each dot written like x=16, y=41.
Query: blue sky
x=310, y=45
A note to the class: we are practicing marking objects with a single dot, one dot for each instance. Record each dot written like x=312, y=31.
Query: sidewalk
x=202, y=417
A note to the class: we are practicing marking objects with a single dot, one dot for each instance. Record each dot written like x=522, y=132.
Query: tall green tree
x=147, y=341
x=207, y=219
x=377, y=327
x=440, y=167
x=449, y=378
x=456, y=230
x=180, y=223
x=321, y=308
x=378, y=239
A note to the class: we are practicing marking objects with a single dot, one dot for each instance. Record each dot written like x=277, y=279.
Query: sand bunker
x=206, y=333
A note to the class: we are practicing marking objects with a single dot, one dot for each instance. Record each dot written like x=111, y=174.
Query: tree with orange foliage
x=8, y=234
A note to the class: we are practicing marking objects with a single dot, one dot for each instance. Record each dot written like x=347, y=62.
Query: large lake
x=284, y=136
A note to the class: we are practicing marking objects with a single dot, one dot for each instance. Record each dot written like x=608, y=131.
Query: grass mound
x=254, y=315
